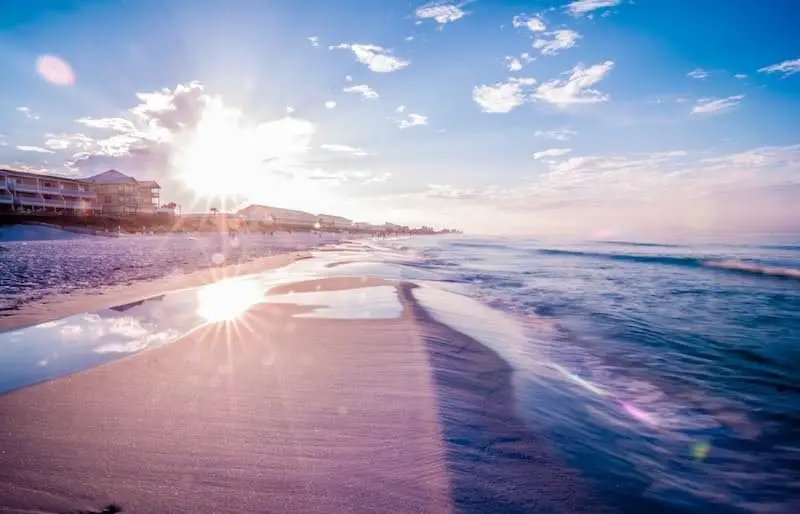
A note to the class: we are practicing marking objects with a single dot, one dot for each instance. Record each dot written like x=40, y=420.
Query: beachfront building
x=329, y=221
x=34, y=192
x=284, y=217
x=122, y=195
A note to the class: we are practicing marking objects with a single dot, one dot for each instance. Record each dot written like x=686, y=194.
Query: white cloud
x=65, y=141
x=786, y=67
x=348, y=78
x=698, y=73
x=741, y=76
x=289, y=110
x=28, y=113
x=580, y=7
x=502, y=96
x=337, y=148
x=517, y=63
x=314, y=40
x=552, y=152
x=330, y=104
x=117, y=124
x=400, y=109
x=363, y=90
x=376, y=58
x=561, y=40
x=36, y=149
x=716, y=105
x=559, y=134
x=533, y=23
x=441, y=12
x=413, y=120
x=577, y=88
x=409, y=38
x=185, y=138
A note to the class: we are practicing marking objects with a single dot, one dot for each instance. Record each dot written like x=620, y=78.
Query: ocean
x=668, y=375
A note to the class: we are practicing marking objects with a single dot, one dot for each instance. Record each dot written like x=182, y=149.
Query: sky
x=588, y=118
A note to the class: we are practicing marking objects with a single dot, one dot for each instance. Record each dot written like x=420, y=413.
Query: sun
x=221, y=156
x=225, y=157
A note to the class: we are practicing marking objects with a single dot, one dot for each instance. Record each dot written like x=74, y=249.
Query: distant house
x=22, y=191
x=284, y=217
x=335, y=222
x=123, y=195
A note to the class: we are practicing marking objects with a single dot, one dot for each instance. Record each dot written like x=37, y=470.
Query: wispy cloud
x=698, y=73
x=532, y=23
x=559, y=134
x=716, y=105
x=787, y=68
x=503, y=96
x=314, y=40
x=400, y=109
x=412, y=120
x=551, y=152
x=363, y=90
x=517, y=63
x=577, y=89
x=441, y=12
x=330, y=104
x=560, y=40
x=338, y=148
x=116, y=124
x=36, y=149
x=741, y=76
x=376, y=58
x=28, y=113
x=581, y=7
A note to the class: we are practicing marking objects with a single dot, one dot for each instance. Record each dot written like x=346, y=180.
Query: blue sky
x=587, y=117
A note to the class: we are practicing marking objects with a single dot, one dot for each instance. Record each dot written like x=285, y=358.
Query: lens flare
x=226, y=300
x=55, y=70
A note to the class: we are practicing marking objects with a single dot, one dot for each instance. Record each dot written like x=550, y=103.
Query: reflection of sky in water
x=61, y=347
x=377, y=302
x=49, y=350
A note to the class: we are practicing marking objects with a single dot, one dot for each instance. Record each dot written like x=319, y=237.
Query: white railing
x=6, y=199
x=26, y=188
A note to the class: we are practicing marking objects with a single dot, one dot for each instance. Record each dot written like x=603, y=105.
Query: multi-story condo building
x=120, y=194
x=33, y=192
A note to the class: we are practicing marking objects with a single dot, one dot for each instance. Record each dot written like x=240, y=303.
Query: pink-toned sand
x=280, y=414
x=270, y=414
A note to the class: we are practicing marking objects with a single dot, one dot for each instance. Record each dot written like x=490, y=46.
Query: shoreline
x=288, y=414
x=57, y=306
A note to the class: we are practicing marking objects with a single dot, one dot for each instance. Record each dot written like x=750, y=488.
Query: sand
x=60, y=306
x=282, y=414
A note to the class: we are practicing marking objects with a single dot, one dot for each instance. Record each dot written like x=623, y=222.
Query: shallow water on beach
x=669, y=375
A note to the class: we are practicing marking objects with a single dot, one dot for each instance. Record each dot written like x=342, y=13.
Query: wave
x=733, y=265
x=747, y=267
x=647, y=245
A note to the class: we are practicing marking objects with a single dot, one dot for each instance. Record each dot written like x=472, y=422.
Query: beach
x=434, y=374
x=277, y=412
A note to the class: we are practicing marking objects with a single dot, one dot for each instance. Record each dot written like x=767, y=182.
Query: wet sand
x=60, y=306
x=282, y=414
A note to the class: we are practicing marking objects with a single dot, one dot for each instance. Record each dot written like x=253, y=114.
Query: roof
x=149, y=183
x=111, y=177
x=43, y=175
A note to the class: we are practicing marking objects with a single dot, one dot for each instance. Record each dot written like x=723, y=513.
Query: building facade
x=121, y=195
x=33, y=192
x=284, y=217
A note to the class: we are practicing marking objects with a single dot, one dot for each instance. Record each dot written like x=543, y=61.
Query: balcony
x=6, y=199
x=54, y=203
x=25, y=188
